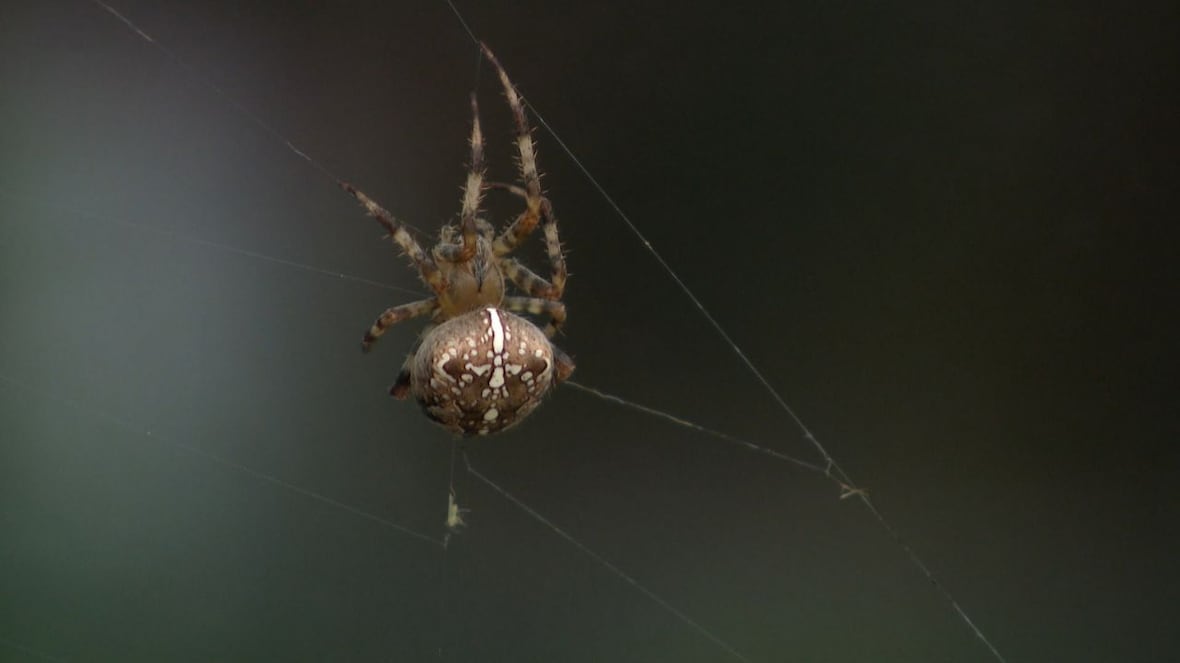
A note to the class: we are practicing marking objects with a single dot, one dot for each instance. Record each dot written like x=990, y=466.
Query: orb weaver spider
x=479, y=368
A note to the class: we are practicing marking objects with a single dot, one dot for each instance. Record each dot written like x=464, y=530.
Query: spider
x=479, y=368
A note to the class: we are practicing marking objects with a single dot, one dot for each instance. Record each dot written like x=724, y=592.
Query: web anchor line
x=622, y=575
x=274, y=133
x=41, y=199
x=846, y=490
x=148, y=433
x=733, y=439
x=231, y=100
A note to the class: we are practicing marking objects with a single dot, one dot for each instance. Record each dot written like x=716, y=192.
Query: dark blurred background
x=940, y=229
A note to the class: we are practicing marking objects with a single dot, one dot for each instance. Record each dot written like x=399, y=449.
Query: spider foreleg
x=524, y=137
x=515, y=189
x=508, y=240
x=426, y=267
x=473, y=190
x=395, y=315
x=516, y=232
x=527, y=221
x=520, y=228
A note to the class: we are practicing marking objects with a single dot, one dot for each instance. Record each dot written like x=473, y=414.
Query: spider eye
x=482, y=372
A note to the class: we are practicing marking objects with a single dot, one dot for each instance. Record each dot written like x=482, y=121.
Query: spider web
x=720, y=539
x=221, y=439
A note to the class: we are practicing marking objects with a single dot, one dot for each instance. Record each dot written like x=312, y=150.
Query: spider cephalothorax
x=479, y=368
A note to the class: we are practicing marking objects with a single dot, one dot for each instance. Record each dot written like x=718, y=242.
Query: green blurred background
x=940, y=229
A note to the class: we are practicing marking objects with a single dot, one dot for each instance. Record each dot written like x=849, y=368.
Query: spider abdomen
x=482, y=372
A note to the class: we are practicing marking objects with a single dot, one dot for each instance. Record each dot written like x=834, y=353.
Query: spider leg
x=524, y=224
x=426, y=267
x=395, y=315
x=472, y=195
x=552, y=239
x=485, y=228
x=536, y=306
x=563, y=365
x=400, y=389
x=527, y=280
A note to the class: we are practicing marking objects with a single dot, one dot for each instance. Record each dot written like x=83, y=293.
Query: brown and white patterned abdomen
x=482, y=372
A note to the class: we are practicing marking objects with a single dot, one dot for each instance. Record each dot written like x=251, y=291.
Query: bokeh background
x=939, y=228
